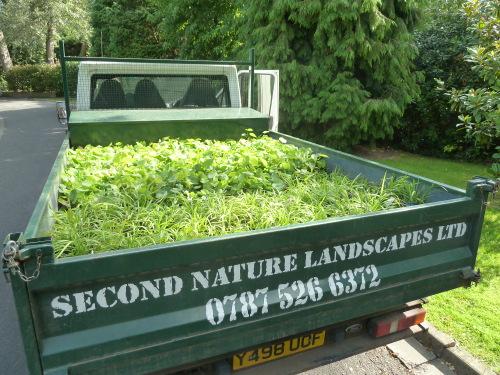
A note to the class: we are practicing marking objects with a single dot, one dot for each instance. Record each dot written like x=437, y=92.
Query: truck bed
x=168, y=306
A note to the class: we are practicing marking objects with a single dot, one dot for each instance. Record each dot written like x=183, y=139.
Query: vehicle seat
x=110, y=96
x=199, y=94
x=129, y=99
x=146, y=95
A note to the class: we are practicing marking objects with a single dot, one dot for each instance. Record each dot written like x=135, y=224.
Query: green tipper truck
x=222, y=304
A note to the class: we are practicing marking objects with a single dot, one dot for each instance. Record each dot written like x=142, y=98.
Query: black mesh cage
x=143, y=91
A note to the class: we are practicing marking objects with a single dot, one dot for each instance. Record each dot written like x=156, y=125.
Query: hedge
x=40, y=78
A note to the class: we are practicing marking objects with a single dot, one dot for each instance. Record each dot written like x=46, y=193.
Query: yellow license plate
x=278, y=350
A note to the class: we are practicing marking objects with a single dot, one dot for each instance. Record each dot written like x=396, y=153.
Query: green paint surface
x=129, y=126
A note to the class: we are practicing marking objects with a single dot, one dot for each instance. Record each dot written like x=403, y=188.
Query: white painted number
x=245, y=304
x=296, y=293
x=288, y=302
x=351, y=281
x=219, y=309
x=315, y=291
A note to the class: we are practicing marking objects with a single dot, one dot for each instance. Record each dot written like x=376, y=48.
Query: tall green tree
x=200, y=29
x=346, y=66
x=127, y=28
x=5, y=60
x=23, y=34
x=35, y=25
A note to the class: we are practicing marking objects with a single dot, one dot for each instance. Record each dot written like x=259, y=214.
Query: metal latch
x=471, y=276
x=11, y=263
x=487, y=184
x=483, y=186
x=491, y=186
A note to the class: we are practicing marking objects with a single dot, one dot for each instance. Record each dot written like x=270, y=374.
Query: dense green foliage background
x=347, y=65
x=479, y=105
x=190, y=29
x=200, y=29
x=429, y=126
x=458, y=111
x=362, y=71
x=125, y=28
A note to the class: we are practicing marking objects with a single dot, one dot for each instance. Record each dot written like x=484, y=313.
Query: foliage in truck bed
x=120, y=196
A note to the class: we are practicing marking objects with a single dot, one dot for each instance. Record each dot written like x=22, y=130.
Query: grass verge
x=471, y=316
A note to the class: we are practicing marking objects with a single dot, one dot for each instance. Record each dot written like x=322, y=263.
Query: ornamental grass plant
x=127, y=196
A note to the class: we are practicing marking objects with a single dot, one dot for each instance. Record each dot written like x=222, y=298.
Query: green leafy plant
x=126, y=196
x=428, y=126
x=479, y=107
x=41, y=78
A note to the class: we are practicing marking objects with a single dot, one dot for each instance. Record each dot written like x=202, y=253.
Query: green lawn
x=471, y=316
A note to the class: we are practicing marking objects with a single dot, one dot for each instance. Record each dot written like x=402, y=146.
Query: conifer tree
x=345, y=65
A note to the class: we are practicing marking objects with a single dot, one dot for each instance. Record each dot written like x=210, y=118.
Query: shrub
x=40, y=78
x=429, y=125
x=33, y=78
x=479, y=105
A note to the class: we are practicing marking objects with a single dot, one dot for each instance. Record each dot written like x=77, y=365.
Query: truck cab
x=175, y=99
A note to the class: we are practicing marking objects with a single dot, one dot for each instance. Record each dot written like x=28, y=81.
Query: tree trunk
x=49, y=43
x=5, y=60
x=83, y=49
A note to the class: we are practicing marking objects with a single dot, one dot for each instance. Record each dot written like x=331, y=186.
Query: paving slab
x=411, y=352
x=457, y=358
x=434, y=367
x=373, y=362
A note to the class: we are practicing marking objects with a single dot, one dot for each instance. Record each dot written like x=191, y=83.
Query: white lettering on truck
x=111, y=296
x=246, y=304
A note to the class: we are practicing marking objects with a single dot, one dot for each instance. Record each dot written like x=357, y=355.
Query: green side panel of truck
x=170, y=306
x=127, y=126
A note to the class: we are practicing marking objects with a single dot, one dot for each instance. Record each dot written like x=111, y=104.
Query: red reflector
x=395, y=322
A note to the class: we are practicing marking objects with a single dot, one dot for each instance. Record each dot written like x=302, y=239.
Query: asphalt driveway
x=30, y=137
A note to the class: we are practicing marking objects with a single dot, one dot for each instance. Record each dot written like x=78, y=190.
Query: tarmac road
x=30, y=137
